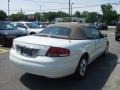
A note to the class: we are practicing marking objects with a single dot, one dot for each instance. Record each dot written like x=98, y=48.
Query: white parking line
x=3, y=50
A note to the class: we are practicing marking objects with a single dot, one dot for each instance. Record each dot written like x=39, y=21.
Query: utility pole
x=69, y=11
x=71, y=8
x=21, y=11
x=40, y=11
x=8, y=8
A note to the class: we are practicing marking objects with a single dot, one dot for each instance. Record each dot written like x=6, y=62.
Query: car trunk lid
x=33, y=46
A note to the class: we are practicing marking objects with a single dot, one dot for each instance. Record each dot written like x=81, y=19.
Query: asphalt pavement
x=102, y=74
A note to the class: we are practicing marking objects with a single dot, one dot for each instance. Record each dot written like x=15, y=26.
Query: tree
x=110, y=16
x=92, y=17
x=106, y=8
x=77, y=14
x=3, y=15
x=61, y=14
x=18, y=17
x=85, y=14
x=50, y=15
x=37, y=16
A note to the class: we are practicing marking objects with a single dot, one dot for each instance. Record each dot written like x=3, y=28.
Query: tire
x=81, y=68
x=106, y=51
x=32, y=33
x=117, y=38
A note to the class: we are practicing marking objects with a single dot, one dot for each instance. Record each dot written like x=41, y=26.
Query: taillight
x=57, y=52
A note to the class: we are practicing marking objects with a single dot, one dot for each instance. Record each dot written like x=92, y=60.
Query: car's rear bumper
x=45, y=66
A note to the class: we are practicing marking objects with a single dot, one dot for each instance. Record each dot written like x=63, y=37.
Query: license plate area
x=28, y=52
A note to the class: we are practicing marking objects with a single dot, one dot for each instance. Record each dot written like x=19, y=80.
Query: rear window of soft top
x=57, y=32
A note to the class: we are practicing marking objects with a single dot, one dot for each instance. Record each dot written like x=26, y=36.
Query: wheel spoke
x=83, y=67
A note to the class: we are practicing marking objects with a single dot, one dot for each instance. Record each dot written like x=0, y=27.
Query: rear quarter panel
x=79, y=47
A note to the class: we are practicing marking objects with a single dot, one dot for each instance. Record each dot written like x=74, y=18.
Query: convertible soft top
x=77, y=29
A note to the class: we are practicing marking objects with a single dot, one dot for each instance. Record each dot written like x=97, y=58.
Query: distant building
x=76, y=19
x=30, y=17
x=59, y=20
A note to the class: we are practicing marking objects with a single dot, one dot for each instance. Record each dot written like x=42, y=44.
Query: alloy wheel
x=83, y=66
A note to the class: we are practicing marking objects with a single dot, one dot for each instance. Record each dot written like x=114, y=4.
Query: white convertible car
x=59, y=50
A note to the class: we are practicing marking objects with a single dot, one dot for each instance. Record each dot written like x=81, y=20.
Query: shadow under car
x=98, y=73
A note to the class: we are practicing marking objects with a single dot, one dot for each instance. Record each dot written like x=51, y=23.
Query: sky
x=32, y=6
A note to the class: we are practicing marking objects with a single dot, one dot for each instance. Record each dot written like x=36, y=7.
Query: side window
x=20, y=25
x=92, y=33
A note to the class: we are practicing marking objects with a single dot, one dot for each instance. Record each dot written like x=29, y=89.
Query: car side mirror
x=104, y=35
x=25, y=28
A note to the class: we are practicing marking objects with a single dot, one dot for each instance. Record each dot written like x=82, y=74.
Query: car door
x=22, y=27
x=100, y=41
x=92, y=44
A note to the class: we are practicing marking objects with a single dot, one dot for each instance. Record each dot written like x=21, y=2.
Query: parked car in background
x=59, y=50
x=117, y=33
x=102, y=26
x=8, y=32
x=43, y=24
x=28, y=27
x=95, y=26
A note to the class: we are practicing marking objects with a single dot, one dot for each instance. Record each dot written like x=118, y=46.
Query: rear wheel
x=32, y=33
x=106, y=50
x=81, y=68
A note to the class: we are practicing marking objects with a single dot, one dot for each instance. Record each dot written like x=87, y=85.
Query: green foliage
x=65, y=19
x=77, y=14
x=92, y=17
x=18, y=17
x=85, y=14
x=49, y=16
x=61, y=14
x=3, y=15
x=37, y=16
x=110, y=16
x=106, y=8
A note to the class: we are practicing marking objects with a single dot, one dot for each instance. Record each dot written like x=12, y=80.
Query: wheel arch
x=32, y=33
x=86, y=55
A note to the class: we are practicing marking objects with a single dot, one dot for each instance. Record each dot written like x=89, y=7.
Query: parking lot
x=4, y=49
x=102, y=74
